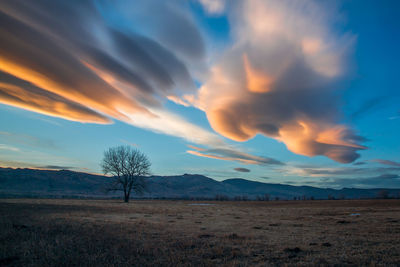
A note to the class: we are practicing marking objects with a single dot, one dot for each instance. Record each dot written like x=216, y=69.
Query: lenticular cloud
x=279, y=79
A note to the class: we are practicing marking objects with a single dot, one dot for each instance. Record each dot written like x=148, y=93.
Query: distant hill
x=30, y=182
x=65, y=183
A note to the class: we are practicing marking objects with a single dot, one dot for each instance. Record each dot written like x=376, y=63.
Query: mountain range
x=66, y=183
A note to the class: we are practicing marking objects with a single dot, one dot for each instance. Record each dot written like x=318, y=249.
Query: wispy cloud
x=213, y=6
x=7, y=147
x=232, y=154
x=19, y=164
x=387, y=162
x=241, y=169
x=172, y=124
x=368, y=106
x=129, y=143
x=56, y=167
x=386, y=180
x=309, y=171
x=27, y=140
x=358, y=163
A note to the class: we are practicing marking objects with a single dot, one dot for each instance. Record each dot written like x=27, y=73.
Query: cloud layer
x=78, y=60
x=63, y=58
x=279, y=79
x=92, y=62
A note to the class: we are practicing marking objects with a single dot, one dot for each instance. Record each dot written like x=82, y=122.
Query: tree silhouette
x=127, y=167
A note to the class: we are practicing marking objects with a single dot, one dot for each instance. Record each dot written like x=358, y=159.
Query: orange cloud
x=278, y=80
x=310, y=139
x=92, y=92
x=86, y=72
x=311, y=46
x=48, y=104
x=257, y=81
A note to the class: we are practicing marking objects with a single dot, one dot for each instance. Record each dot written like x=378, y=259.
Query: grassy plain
x=56, y=232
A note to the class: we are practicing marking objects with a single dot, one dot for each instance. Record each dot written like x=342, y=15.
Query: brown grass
x=173, y=233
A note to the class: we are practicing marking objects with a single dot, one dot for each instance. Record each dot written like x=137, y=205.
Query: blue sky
x=305, y=93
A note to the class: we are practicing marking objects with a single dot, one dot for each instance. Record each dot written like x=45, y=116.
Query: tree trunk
x=126, y=196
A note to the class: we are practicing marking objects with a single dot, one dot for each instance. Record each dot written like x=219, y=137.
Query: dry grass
x=175, y=233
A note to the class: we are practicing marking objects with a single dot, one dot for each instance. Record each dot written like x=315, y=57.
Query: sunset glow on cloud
x=219, y=76
x=275, y=82
x=96, y=75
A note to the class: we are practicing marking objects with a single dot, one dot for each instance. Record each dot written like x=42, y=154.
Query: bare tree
x=127, y=166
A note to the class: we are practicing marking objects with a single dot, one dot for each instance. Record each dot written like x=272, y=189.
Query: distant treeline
x=383, y=194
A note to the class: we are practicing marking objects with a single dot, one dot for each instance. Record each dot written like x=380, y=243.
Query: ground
x=48, y=232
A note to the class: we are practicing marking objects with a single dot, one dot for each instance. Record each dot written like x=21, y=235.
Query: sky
x=295, y=92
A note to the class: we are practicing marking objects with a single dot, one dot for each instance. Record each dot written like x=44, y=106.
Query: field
x=49, y=232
